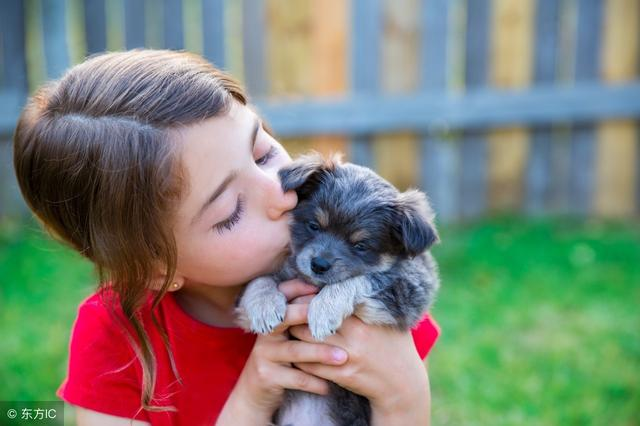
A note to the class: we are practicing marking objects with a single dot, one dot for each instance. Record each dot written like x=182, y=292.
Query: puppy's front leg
x=333, y=304
x=262, y=306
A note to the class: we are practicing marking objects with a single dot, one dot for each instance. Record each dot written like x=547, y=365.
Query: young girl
x=152, y=165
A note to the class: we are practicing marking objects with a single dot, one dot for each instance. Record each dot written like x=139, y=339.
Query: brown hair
x=95, y=162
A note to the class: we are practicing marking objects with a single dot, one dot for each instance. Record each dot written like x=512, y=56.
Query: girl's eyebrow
x=232, y=175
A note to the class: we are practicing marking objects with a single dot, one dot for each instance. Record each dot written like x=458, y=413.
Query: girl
x=152, y=165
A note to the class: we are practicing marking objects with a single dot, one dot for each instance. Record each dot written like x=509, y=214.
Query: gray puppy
x=365, y=245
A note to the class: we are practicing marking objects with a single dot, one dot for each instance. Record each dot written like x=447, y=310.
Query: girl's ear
x=414, y=227
x=160, y=277
x=305, y=173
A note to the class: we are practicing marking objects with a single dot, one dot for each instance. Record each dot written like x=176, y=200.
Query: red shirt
x=104, y=374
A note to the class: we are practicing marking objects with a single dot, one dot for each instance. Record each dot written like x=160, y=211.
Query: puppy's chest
x=306, y=409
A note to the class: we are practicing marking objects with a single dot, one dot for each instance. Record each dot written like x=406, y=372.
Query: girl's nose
x=277, y=201
x=280, y=203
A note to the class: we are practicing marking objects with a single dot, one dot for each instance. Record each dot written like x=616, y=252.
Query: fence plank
x=11, y=202
x=616, y=144
x=134, y=15
x=328, y=63
x=366, y=18
x=12, y=38
x=13, y=71
x=173, y=26
x=397, y=155
x=512, y=30
x=11, y=103
x=254, y=47
x=213, y=32
x=473, y=150
x=54, y=30
x=482, y=109
x=95, y=26
x=582, y=145
x=539, y=170
x=13, y=91
x=438, y=156
x=289, y=60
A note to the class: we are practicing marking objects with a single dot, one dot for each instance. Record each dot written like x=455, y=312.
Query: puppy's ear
x=304, y=174
x=414, y=227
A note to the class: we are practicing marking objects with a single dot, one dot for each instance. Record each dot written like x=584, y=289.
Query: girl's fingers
x=292, y=351
x=296, y=288
x=302, y=299
x=302, y=332
x=294, y=315
x=323, y=371
x=291, y=378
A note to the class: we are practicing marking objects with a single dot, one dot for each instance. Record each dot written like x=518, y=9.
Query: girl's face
x=232, y=225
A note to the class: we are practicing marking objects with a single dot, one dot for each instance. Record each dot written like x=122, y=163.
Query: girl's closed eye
x=273, y=151
x=228, y=223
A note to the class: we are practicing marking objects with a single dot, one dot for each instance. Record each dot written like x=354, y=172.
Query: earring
x=176, y=285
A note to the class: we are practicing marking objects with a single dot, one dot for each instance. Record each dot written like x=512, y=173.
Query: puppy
x=364, y=244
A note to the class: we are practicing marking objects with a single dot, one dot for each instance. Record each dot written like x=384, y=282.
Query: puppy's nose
x=320, y=265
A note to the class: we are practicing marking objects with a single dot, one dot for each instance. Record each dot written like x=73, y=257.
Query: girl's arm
x=86, y=417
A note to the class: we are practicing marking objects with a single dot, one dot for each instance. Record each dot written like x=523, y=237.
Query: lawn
x=540, y=320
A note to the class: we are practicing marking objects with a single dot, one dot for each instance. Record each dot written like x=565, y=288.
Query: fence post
x=254, y=47
x=13, y=92
x=582, y=160
x=54, y=30
x=539, y=171
x=173, y=28
x=134, y=23
x=213, y=32
x=616, y=145
x=366, y=17
x=438, y=156
x=95, y=26
x=329, y=74
x=473, y=161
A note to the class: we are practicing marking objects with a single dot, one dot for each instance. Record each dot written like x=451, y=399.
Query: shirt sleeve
x=425, y=335
x=103, y=371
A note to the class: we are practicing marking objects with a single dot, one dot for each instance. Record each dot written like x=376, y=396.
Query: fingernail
x=338, y=355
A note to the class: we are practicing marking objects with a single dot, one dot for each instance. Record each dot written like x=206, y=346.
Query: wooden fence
x=488, y=105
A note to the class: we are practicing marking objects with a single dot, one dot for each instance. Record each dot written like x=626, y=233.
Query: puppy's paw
x=322, y=322
x=262, y=314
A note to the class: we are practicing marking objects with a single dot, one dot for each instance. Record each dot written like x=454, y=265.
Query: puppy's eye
x=313, y=226
x=360, y=246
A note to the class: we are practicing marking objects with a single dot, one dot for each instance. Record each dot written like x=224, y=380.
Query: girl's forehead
x=220, y=132
x=210, y=150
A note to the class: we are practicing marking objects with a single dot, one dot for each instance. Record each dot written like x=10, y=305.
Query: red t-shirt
x=104, y=374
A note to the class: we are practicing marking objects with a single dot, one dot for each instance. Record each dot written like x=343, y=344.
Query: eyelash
x=227, y=224
x=268, y=156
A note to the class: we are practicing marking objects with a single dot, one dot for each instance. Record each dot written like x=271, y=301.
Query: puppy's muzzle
x=320, y=265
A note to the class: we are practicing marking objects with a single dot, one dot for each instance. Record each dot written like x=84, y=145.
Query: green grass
x=540, y=324
x=540, y=321
x=41, y=284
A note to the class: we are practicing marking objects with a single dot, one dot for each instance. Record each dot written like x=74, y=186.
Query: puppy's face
x=349, y=221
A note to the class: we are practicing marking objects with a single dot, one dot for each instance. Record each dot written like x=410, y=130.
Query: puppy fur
x=365, y=244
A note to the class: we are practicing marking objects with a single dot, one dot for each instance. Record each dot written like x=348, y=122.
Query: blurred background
x=518, y=117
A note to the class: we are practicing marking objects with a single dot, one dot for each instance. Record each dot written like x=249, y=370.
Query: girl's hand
x=383, y=366
x=269, y=370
